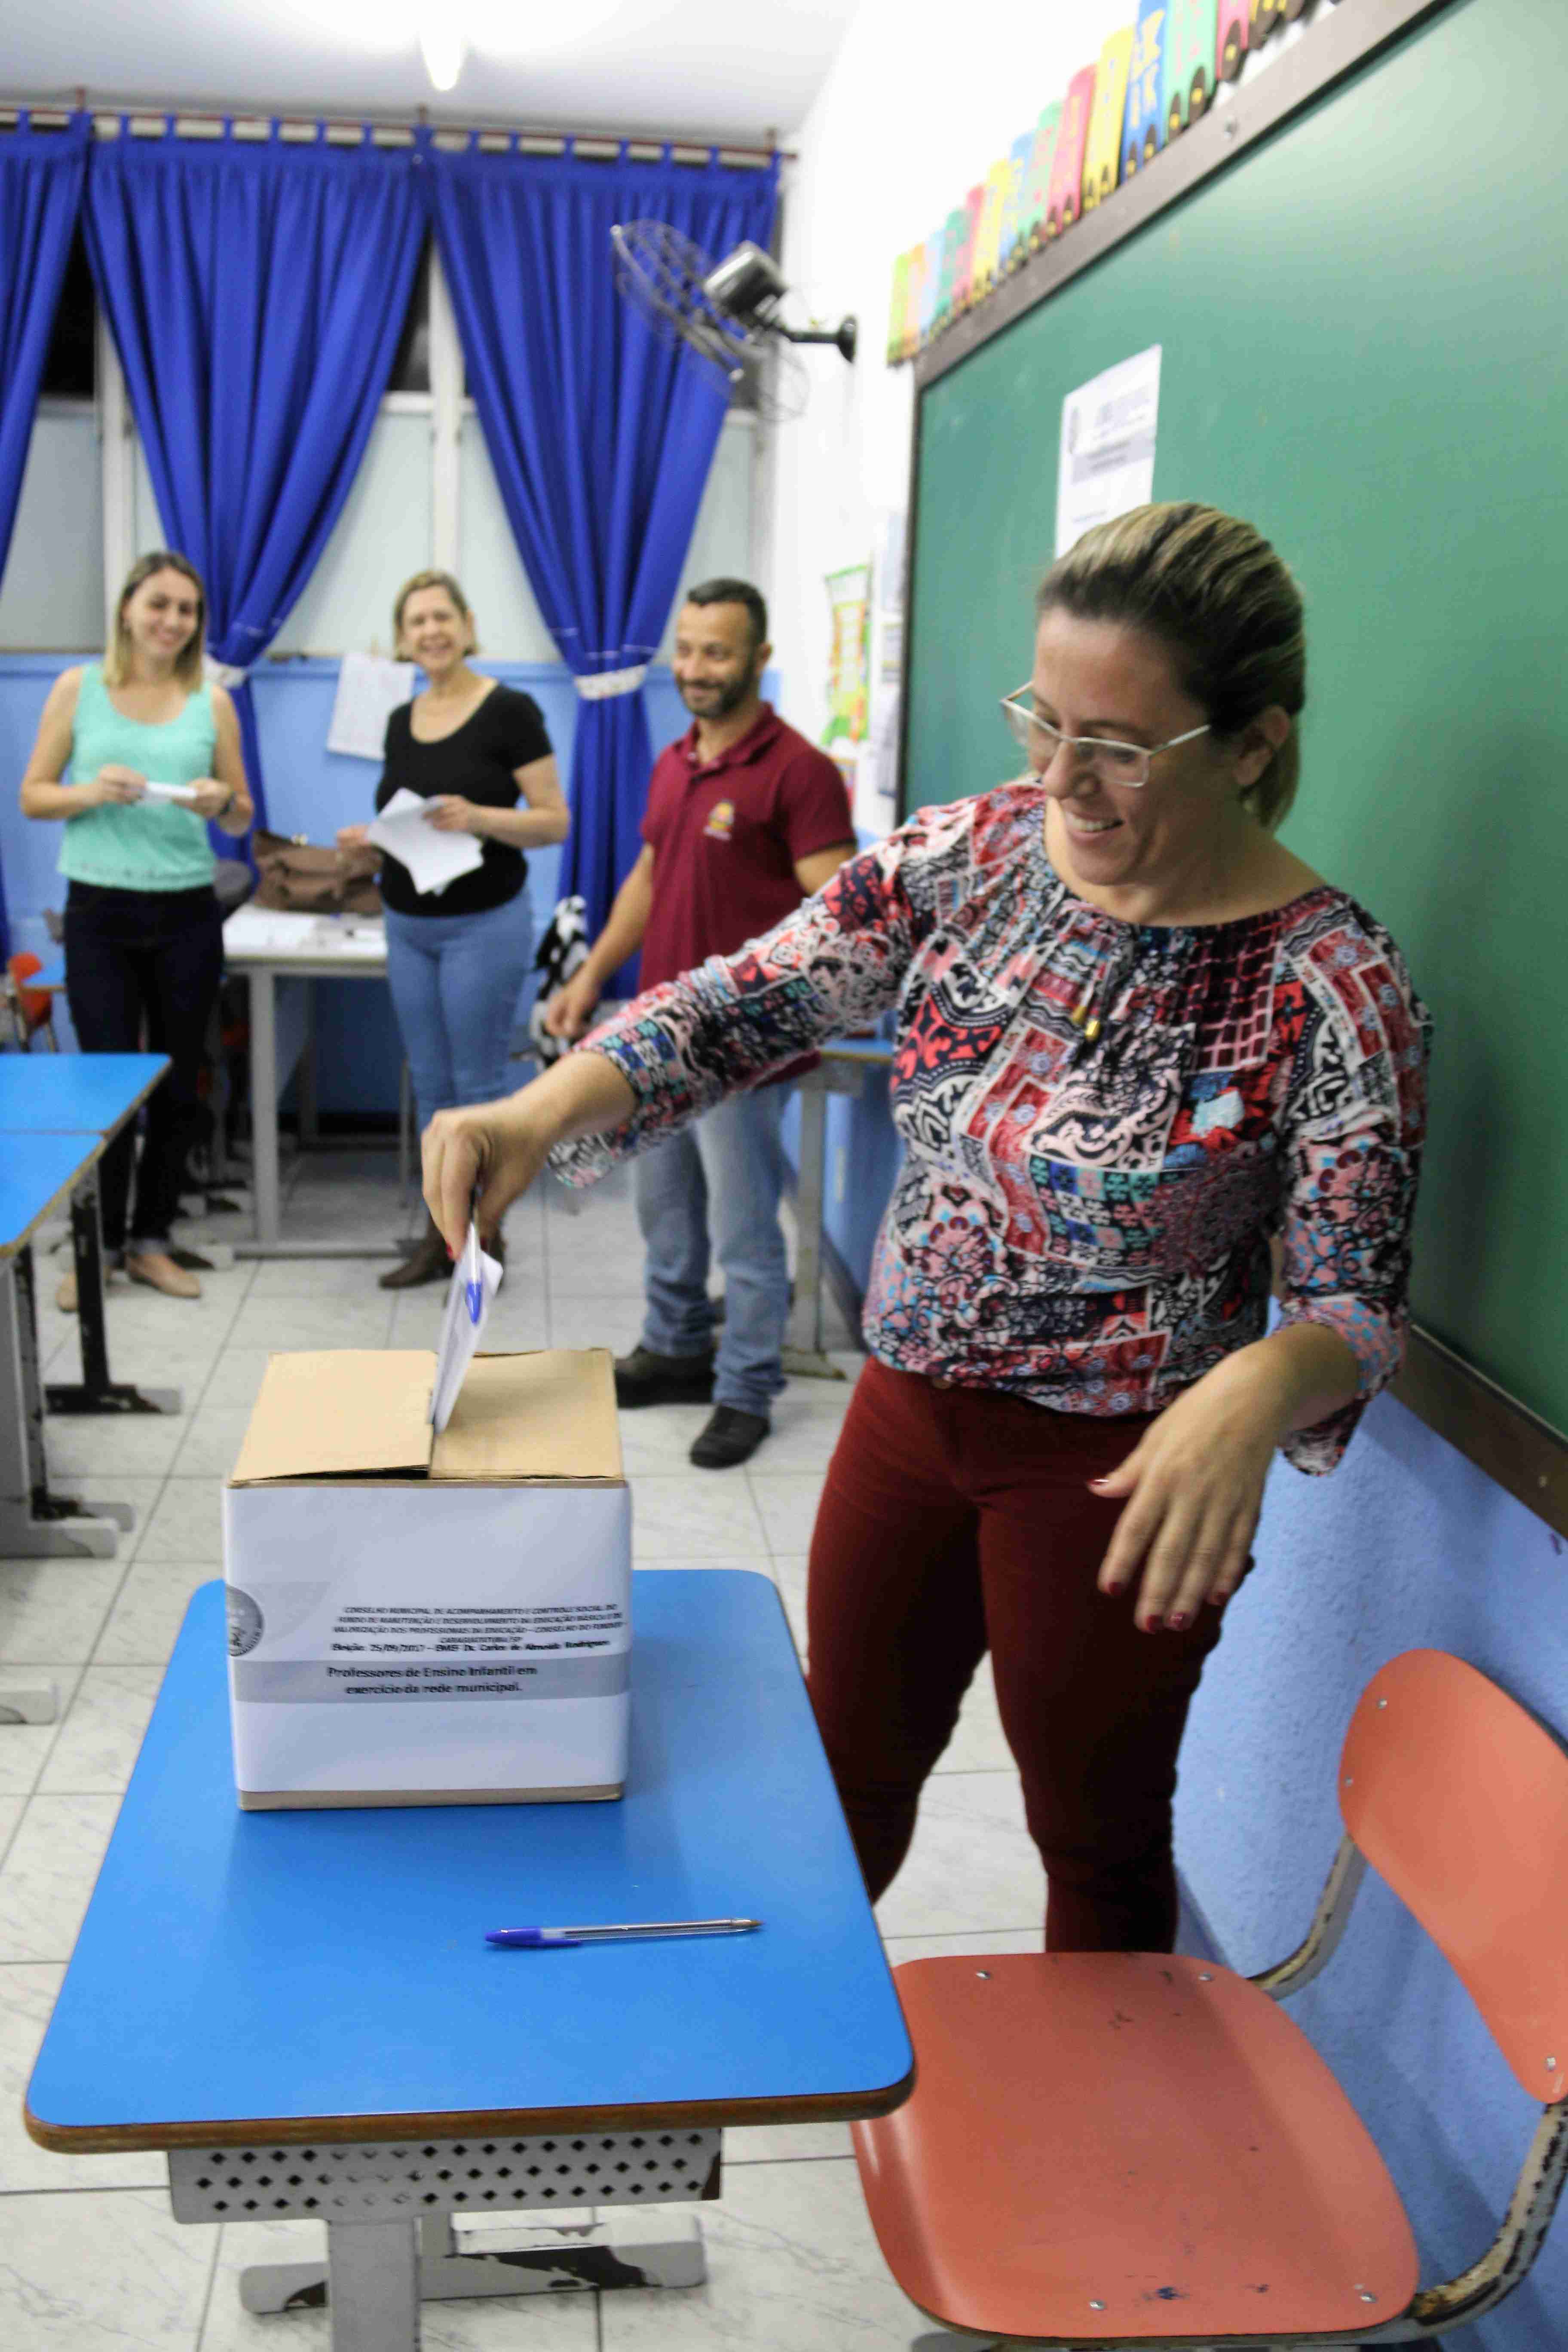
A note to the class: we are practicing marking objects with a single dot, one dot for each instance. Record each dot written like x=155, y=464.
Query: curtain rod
x=205, y=119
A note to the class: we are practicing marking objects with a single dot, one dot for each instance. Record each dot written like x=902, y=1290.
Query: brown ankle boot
x=430, y=1262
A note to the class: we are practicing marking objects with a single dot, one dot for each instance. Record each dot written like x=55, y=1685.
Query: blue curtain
x=40, y=194
x=255, y=291
x=601, y=436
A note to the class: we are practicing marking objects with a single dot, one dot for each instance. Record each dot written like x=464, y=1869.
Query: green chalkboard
x=1364, y=324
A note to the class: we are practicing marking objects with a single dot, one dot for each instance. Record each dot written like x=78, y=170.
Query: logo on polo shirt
x=720, y=821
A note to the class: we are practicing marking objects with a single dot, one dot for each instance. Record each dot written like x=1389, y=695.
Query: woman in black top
x=457, y=958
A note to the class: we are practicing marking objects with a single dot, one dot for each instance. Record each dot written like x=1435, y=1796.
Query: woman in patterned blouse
x=1137, y=1042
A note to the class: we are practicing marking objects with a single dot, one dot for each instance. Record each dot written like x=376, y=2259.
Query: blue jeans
x=456, y=980
x=722, y=1177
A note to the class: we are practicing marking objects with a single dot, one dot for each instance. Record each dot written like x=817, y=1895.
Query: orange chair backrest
x=1459, y=1799
x=35, y=1002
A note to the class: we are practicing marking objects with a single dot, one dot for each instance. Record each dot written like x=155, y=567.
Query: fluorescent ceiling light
x=442, y=46
x=446, y=30
x=504, y=28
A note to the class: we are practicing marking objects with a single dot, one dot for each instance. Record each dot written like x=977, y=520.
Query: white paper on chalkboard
x=1106, y=463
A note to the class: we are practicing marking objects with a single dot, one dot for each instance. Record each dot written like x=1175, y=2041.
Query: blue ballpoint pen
x=551, y=1938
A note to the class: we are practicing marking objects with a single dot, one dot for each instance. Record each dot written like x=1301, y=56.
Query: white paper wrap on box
x=429, y=1636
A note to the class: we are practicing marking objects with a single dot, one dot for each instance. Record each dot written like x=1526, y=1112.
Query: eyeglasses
x=1106, y=762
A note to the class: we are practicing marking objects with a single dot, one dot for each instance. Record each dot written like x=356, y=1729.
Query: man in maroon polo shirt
x=745, y=819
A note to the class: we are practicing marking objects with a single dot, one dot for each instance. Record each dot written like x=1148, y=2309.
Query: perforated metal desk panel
x=90, y=1094
x=324, y=1975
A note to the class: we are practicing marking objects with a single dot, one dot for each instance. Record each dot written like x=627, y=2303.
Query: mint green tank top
x=140, y=844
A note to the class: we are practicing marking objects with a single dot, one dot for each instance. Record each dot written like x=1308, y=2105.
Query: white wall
x=892, y=143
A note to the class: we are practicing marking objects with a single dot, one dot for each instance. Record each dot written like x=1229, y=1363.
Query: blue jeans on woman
x=713, y=1191
x=456, y=980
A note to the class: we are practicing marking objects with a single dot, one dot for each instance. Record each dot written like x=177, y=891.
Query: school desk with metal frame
x=269, y=947
x=301, y=2007
x=59, y=1112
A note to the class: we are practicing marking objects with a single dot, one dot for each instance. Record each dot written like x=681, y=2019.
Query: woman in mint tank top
x=137, y=754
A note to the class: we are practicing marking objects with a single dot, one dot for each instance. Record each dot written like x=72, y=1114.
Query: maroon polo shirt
x=726, y=838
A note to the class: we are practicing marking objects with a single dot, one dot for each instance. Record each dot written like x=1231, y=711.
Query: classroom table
x=842, y=1069
x=300, y=2008
x=269, y=946
x=58, y=1109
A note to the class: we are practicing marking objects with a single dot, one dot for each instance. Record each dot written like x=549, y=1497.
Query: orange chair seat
x=36, y=1003
x=1124, y=2146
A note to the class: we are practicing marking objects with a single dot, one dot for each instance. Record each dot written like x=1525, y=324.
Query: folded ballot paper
x=404, y=830
x=185, y=794
x=476, y=1278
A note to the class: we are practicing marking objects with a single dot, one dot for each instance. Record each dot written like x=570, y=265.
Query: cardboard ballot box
x=423, y=1620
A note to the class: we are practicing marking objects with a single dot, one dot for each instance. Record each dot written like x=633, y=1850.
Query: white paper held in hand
x=476, y=1278
x=186, y=793
x=404, y=830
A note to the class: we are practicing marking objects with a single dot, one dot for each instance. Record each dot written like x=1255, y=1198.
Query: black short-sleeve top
x=479, y=761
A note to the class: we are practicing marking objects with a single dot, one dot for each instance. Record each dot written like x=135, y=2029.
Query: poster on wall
x=370, y=689
x=1106, y=463
x=848, y=657
x=876, y=786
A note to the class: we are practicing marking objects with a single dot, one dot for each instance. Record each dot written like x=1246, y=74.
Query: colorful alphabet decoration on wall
x=1033, y=231
x=1190, y=48
x=1102, y=149
x=1064, y=199
x=1017, y=167
x=1154, y=78
x=1143, y=124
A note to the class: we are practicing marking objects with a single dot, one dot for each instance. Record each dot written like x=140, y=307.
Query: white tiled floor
x=89, y=2252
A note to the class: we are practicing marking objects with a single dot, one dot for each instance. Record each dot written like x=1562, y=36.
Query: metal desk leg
x=580, y=2221
x=95, y=1391
x=264, y=1106
x=305, y=1077
x=654, y=2249
x=266, y=1185
x=803, y=1349
x=373, y=2275
x=35, y=1523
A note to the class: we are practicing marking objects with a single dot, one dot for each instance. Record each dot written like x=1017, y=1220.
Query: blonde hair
x=442, y=580
x=1216, y=594
x=189, y=664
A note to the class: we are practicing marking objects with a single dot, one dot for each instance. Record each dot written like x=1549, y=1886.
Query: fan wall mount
x=725, y=315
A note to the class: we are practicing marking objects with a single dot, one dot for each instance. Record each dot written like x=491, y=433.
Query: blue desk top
x=91, y=1094
x=324, y=1975
x=34, y=1170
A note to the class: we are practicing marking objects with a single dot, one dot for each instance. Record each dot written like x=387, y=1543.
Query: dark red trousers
x=954, y=1522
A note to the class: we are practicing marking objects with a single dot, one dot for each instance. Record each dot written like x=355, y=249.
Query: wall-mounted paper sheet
x=432, y=859
x=1106, y=460
x=370, y=689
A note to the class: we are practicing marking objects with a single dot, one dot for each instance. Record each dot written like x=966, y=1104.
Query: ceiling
x=705, y=67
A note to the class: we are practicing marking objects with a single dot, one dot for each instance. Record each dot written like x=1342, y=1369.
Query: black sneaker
x=644, y=1378
x=731, y=1437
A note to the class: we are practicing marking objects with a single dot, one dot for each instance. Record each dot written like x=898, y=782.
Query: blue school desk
x=55, y=1109
x=53, y=1104
x=91, y=1094
x=301, y=2009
